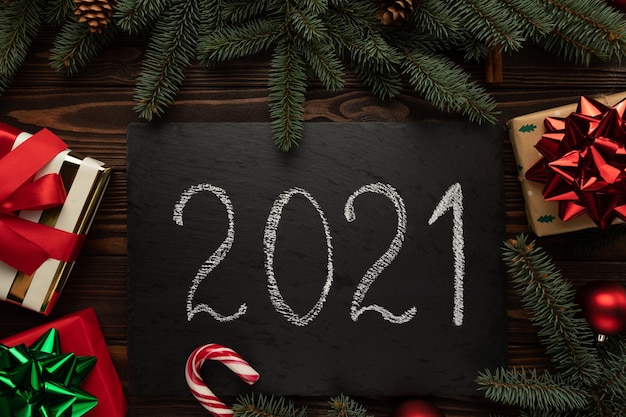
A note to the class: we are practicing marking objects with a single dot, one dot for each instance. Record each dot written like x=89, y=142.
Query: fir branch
x=60, y=11
x=593, y=239
x=358, y=34
x=447, y=86
x=344, y=406
x=488, y=21
x=435, y=19
x=534, y=20
x=287, y=85
x=315, y=7
x=237, y=12
x=138, y=16
x=211, y=18
x=586, y=28
x=326, y=65
x=230, y=43
x=76, y=46
x=613, y=380
x=172, y=47
x=526, y=389
x=307, y=25
x=266, y=406
x=19, y=23
x=550, y=298
x=384, y=84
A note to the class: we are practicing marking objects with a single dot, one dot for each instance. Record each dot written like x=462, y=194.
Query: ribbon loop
x=36, y=381
x=583, y=164
x=25, y=245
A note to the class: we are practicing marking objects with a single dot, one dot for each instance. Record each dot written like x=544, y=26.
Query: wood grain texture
x=92, y=110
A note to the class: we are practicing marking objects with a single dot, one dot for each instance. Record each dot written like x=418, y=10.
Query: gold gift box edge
x=82, y=226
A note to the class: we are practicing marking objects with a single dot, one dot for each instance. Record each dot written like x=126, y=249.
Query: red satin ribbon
x=25, y=245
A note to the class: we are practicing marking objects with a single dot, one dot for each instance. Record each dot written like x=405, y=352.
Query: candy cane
x=197, y=386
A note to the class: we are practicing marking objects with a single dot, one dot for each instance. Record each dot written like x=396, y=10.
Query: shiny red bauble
x=603, y=304
x=416, y=408
x=618, y=4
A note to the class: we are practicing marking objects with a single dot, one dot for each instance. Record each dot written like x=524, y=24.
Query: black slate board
x=326, y=352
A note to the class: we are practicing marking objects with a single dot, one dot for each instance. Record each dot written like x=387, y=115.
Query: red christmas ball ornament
x=603, y=304
x=416, y=408
x=618, y=4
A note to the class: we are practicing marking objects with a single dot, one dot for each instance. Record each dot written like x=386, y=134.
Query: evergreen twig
x=590, y=381
x=169, y=54
x=19, y=23
x=315, y=38
x=550, y=298
x=592, y=239
x=266, y=406
x=76, y=46
x=344, y=406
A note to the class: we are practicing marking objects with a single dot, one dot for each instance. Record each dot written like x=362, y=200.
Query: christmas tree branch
x=287, y=85
x=19, y=23
x=440, y=81
x=76, y=46
x=169, y=53
x=315, y=38
x=586, y=28
x=592, y=239
x=60, y=11
x=526, y=389
x=535, y=22
x=137, y=16
x=326, y=65
x=266, y=406
x=230, y=43
x=551, y=299
x=239, y=11
x=435, y=18
x=344, y=406
x=489, y=24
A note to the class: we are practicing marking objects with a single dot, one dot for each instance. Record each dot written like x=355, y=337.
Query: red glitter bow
x=584, y=162
x=25, y=245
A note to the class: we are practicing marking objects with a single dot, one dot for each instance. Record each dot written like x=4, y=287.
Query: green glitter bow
x=40, y=381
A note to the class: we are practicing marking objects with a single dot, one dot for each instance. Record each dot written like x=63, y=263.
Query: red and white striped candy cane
x=199, y=389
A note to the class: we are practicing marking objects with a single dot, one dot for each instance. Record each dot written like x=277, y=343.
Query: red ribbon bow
x=584, y=162
x=25, y=245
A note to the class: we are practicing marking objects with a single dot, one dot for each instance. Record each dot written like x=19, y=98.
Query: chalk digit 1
x=385, y=260
x=453, y=198
x=269, y=246
x=217, y=256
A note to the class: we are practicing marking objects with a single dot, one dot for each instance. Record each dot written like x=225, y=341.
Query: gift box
x=546, y=217
x=80, y=334
x=48, y=198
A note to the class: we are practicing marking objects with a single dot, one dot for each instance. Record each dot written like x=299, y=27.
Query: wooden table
x=91, y=112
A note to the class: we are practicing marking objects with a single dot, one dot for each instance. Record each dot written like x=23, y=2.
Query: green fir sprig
x=319, y=40
x=266, y=406
x=270, y=406
x=593, y=239
x=344, y=406
x=588, y=379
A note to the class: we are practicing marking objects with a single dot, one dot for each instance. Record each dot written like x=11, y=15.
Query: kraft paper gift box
x=80, y=334
x=524, y=132
x=84, y=180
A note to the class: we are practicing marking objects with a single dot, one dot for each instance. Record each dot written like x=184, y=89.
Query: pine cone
x=96, y=14
x=394, y=11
